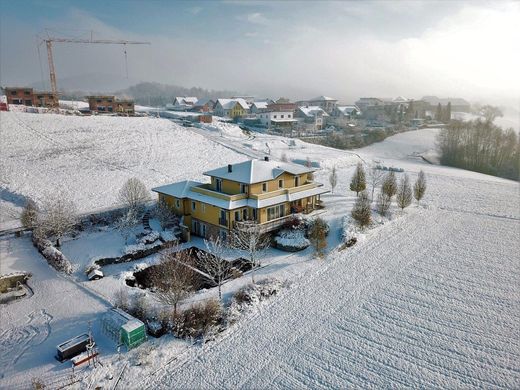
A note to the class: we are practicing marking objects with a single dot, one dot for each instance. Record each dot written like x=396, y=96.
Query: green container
x=133, y=333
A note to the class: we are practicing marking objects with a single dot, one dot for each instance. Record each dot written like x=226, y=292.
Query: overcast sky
x=344, y=49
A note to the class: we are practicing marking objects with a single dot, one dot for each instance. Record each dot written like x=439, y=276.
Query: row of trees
x=402, y=190
x=480, y=146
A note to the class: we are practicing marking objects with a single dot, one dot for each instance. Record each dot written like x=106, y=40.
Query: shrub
x=200, y=320
x=295, y=222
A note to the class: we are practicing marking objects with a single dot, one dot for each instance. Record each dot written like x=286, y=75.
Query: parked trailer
x=72, y=347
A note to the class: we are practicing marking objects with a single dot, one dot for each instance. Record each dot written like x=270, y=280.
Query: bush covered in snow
x=291, y=240
x=54, y=257
x=200, y=321
x=150, y=238
x=251, y=295
x=57, y=259
x=136, y=248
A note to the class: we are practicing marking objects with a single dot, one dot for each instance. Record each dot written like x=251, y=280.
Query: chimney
x=266, y=158
x=230, y=168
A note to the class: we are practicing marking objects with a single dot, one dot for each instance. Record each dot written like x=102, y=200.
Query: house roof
x=260, y=104
x=322, y=98
x=256, y=171
x=347, y=109
x=434, y=100
x=310, y=111
x=178, y=190
x=203, y=101
x=186, y=100
x=228, y=104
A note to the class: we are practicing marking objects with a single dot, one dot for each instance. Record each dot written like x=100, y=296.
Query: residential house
x=257, y=107
x=203, y=105
x=457, y=104
x=282, y=104
x=346, y=112
x=185, y=101
x=231, y=108
x=248, y=99
x=312, y=115
x=125, y=106
x=326, y=103
x=263, y=191
x=364, y=102
x=281, y=120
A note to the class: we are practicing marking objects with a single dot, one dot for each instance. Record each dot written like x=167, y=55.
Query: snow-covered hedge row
x=54, y=257
x=252, y=294
x=291, y=240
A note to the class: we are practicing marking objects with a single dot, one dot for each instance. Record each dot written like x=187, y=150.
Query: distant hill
x=157, y=94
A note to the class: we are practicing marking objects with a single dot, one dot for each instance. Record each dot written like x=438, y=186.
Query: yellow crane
x=49, y=41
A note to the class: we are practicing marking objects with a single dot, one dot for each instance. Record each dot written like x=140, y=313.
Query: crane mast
x=49, y=41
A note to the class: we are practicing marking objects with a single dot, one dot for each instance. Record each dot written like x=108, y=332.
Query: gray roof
x=322, y=98
x=178, y=190
x=256, y=171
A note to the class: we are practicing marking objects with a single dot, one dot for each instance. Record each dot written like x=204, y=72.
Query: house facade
x=262, y=191
x=30, y=97
x=109, y=104
x=312, y=115
x=276, y=118
x=326, y=103
x=231, y=108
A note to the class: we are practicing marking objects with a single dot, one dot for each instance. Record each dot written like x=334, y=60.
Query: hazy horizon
x=293, y=49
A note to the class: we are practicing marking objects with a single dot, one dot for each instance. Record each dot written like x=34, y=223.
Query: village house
x=231, y=108
x=263, y=191
x=203, y=105
x=282, y=104
x=29, y=97
x=257, y=107
x=313, y=116
x=364, y=102
x=457, y=104
x=346, y=112
x=109, y=104
x=281, y=120
x=326, y=103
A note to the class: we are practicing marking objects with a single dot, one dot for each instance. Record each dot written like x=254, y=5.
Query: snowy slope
x=89, y=158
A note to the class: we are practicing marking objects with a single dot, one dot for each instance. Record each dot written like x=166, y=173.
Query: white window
x=264, y=187
x=296, y=181
x=193, y=206
x=178, y=203
x=275, y=117
x=203, y=230
x=280, y=183
x=218, y=185
x=282, y=116
x=244, y=214
x=288, y=116
x=237, y=215
x=203, y=207
x=243, y=188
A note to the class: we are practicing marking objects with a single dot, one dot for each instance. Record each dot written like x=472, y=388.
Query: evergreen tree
x=358, y=182
x=404, y=192
x=361, y=210
x=438, y=113
x=390, y=185
x=419, y=188
x=447, y=114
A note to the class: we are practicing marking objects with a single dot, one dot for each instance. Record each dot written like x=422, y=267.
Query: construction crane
x=50, y=40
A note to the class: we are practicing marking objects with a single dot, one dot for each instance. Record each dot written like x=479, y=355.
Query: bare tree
x=361, y=211
x=29, y=217
x=333, y=178
x=248, y=238
x=358, y=182
x=404, y=192
x=419, y=188
x=173, y=278
x=127, y=222
x=375, y=178
x=318, y=236
x=490, y=113
x=121, y=299
x=214, y=263
x=390, y=184
x=134, y=194
x=383, y=203
x=58, y=217
x=165, y=214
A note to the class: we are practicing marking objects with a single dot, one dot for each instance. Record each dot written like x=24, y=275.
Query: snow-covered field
x=429, y=299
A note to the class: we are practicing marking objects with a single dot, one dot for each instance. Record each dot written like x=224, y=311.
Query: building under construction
x=109, y=104
x=30, y=97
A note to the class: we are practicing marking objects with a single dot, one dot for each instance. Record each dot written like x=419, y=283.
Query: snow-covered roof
x=203, y=101
x=188, y=100
x=228, y=104
x=256, y=171
x=260, y=104
x=132, y=325
x=400, y=99
x=178, y=190
x=322, y=98
x=311, y=111
x=434, y=100
x=284, y=120
x=347, y=109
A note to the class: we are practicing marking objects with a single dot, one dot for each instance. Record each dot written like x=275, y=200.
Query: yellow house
x=263, y=191
x=231, y=108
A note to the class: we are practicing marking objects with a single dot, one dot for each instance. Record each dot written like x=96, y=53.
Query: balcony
x=205, y=189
